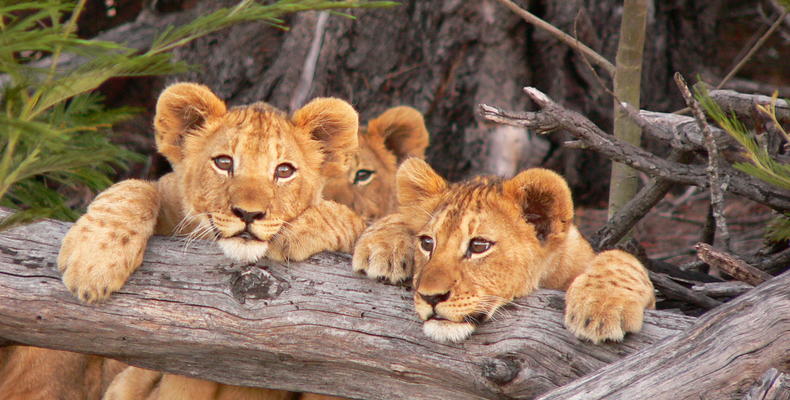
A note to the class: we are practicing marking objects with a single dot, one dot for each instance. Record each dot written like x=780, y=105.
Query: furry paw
x=97, y=260
x=385, y=252
x=598, y=312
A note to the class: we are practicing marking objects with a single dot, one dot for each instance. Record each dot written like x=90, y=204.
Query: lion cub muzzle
x=245, y=236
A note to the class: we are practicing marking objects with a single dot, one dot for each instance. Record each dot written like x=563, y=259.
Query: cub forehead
x=476, y=207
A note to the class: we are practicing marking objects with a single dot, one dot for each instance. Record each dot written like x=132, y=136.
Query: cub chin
x=248, y=177
x=472, y=247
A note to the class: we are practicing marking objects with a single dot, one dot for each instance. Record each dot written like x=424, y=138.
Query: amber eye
x=478, y=245
x=284, y=171
x=363, y=176
x=224, y=163
x=426, y=242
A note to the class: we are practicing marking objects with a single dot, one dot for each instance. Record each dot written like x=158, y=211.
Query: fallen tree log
x=312, y=326
x=721, y=356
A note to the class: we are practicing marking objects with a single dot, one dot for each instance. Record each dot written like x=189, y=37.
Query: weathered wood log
x=720, y=357
x=312, y=326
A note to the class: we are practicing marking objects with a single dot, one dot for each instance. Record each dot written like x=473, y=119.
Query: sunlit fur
x=389, y=139
x=529, y=218
x=283, y=219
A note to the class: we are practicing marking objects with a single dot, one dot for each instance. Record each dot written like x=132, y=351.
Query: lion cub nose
x=434, y=299
x=248, y=216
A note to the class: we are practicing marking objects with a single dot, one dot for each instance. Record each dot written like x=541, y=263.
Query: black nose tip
x=248, y=216
x=435, y=299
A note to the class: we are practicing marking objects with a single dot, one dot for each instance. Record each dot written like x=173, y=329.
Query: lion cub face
x=483, y=243
x=369, y=185
x=246, y=172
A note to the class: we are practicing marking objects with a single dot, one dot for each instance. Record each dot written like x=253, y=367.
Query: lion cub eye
x=426, y=242
x=284, y=171
x=224, y=163
x=363, y=176
x=478, y=246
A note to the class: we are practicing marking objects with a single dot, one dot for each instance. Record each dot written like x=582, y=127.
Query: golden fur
x=389, y=139
x=248, y=209
x=473, y=247
x=252, y=210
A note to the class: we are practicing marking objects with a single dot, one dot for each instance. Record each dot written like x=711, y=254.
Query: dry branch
x=722, y=289
x=676, y=291
x=743, y=104
x=731, y=265
x=553, y=116
x=713, y=170
x=720, y=357
x=311, y=326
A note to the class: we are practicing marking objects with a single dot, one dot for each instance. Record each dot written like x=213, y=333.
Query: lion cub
x=369, y=185
x=248, y=177
x=473, y=247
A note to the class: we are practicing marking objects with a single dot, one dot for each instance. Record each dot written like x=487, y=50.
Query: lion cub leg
x=106, y=244
x=328, y=226
x=609, y=298
x=386, y=250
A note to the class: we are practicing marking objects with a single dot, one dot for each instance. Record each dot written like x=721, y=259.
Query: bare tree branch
x=713, y=170
x=731, y=265
x=553, y=116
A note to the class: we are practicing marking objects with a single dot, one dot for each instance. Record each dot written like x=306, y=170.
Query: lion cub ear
x=403, y=131
x=417, y=182
x=334, y=123
x=183, y=109
x=545, y=201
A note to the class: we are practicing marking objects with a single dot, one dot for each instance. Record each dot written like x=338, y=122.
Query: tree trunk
x=312, y=326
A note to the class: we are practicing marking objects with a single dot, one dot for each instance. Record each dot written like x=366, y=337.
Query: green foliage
x=53, y=129
x=761, y=164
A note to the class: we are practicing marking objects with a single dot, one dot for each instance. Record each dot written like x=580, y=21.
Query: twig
x=677, y=291
x=731, y=265
x=305, y=85
x=713, y=169
x=560, y=35
x=753, y=50
x=722, y=289
x=553, y=116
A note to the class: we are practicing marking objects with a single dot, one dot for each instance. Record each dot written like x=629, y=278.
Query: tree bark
x=312, y=326
x=720, y=357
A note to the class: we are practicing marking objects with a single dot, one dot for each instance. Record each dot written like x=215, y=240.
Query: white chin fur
x=447, y=331
x=243, y=250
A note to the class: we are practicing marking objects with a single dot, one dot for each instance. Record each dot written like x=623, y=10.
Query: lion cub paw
x=597, y=313
x=96, y=261
x=385, y=253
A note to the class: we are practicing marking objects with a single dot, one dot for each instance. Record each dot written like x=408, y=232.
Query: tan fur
x=31, y=373
x=397, y=134
x=529, y=220
x=197, y=199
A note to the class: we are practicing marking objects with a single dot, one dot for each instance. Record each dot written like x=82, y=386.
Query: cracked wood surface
x=312, y=326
